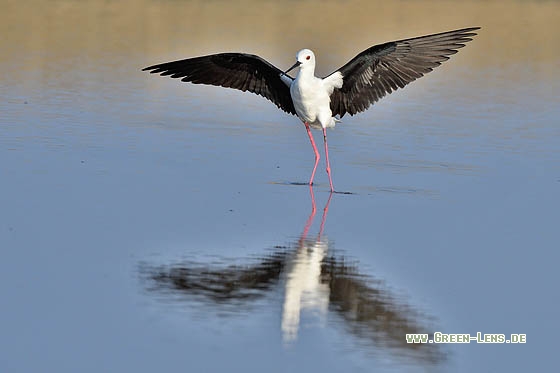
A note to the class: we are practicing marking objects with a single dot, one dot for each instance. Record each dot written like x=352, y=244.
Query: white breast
x=311, y=97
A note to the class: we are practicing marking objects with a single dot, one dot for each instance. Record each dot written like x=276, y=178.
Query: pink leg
x=317, y=156
x=324, y=218
x=311, y=216
x=327, y=158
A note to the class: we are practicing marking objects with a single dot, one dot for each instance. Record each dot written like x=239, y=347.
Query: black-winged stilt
x=365, y=79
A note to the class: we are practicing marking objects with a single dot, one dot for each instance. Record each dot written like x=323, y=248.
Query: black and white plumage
x=354, y=87
x=245, y=72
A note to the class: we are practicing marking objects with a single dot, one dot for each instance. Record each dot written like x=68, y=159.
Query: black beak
x=293, y=67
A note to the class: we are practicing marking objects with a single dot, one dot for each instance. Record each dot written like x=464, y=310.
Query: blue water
x=150, y=225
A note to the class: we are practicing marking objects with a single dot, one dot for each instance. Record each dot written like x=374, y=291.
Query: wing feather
x=384, y=68
x=245, y=72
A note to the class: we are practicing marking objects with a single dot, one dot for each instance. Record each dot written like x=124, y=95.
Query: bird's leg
x=317, y=156
x=324, y=218
x=327, y=158
x=311, y=216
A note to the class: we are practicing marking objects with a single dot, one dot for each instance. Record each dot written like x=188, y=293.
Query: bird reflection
x=304, y=289
x=315, y=282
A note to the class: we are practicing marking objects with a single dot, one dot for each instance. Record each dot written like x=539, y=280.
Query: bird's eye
x=308, y=57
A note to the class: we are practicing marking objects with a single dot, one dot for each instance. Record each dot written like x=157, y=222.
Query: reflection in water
x=304, y=288
x=315, y=281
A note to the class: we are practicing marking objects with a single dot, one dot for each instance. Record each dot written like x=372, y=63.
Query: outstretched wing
x=245, y=72
x=384, y=68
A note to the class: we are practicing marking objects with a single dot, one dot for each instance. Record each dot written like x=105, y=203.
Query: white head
x=305, y=58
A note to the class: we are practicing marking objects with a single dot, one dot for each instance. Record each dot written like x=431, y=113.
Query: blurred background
x=148, y=224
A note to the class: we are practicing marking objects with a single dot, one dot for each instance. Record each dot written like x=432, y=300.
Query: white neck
x=306, y=71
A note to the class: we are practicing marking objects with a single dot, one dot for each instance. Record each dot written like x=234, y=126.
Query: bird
x=320, y=102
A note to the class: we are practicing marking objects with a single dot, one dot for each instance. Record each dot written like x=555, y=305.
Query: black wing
x=241, y=71
x=384, y=68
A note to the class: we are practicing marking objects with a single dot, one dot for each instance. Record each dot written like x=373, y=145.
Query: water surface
x=151, y=225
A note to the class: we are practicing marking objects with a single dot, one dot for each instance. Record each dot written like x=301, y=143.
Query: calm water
x=148, y=225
